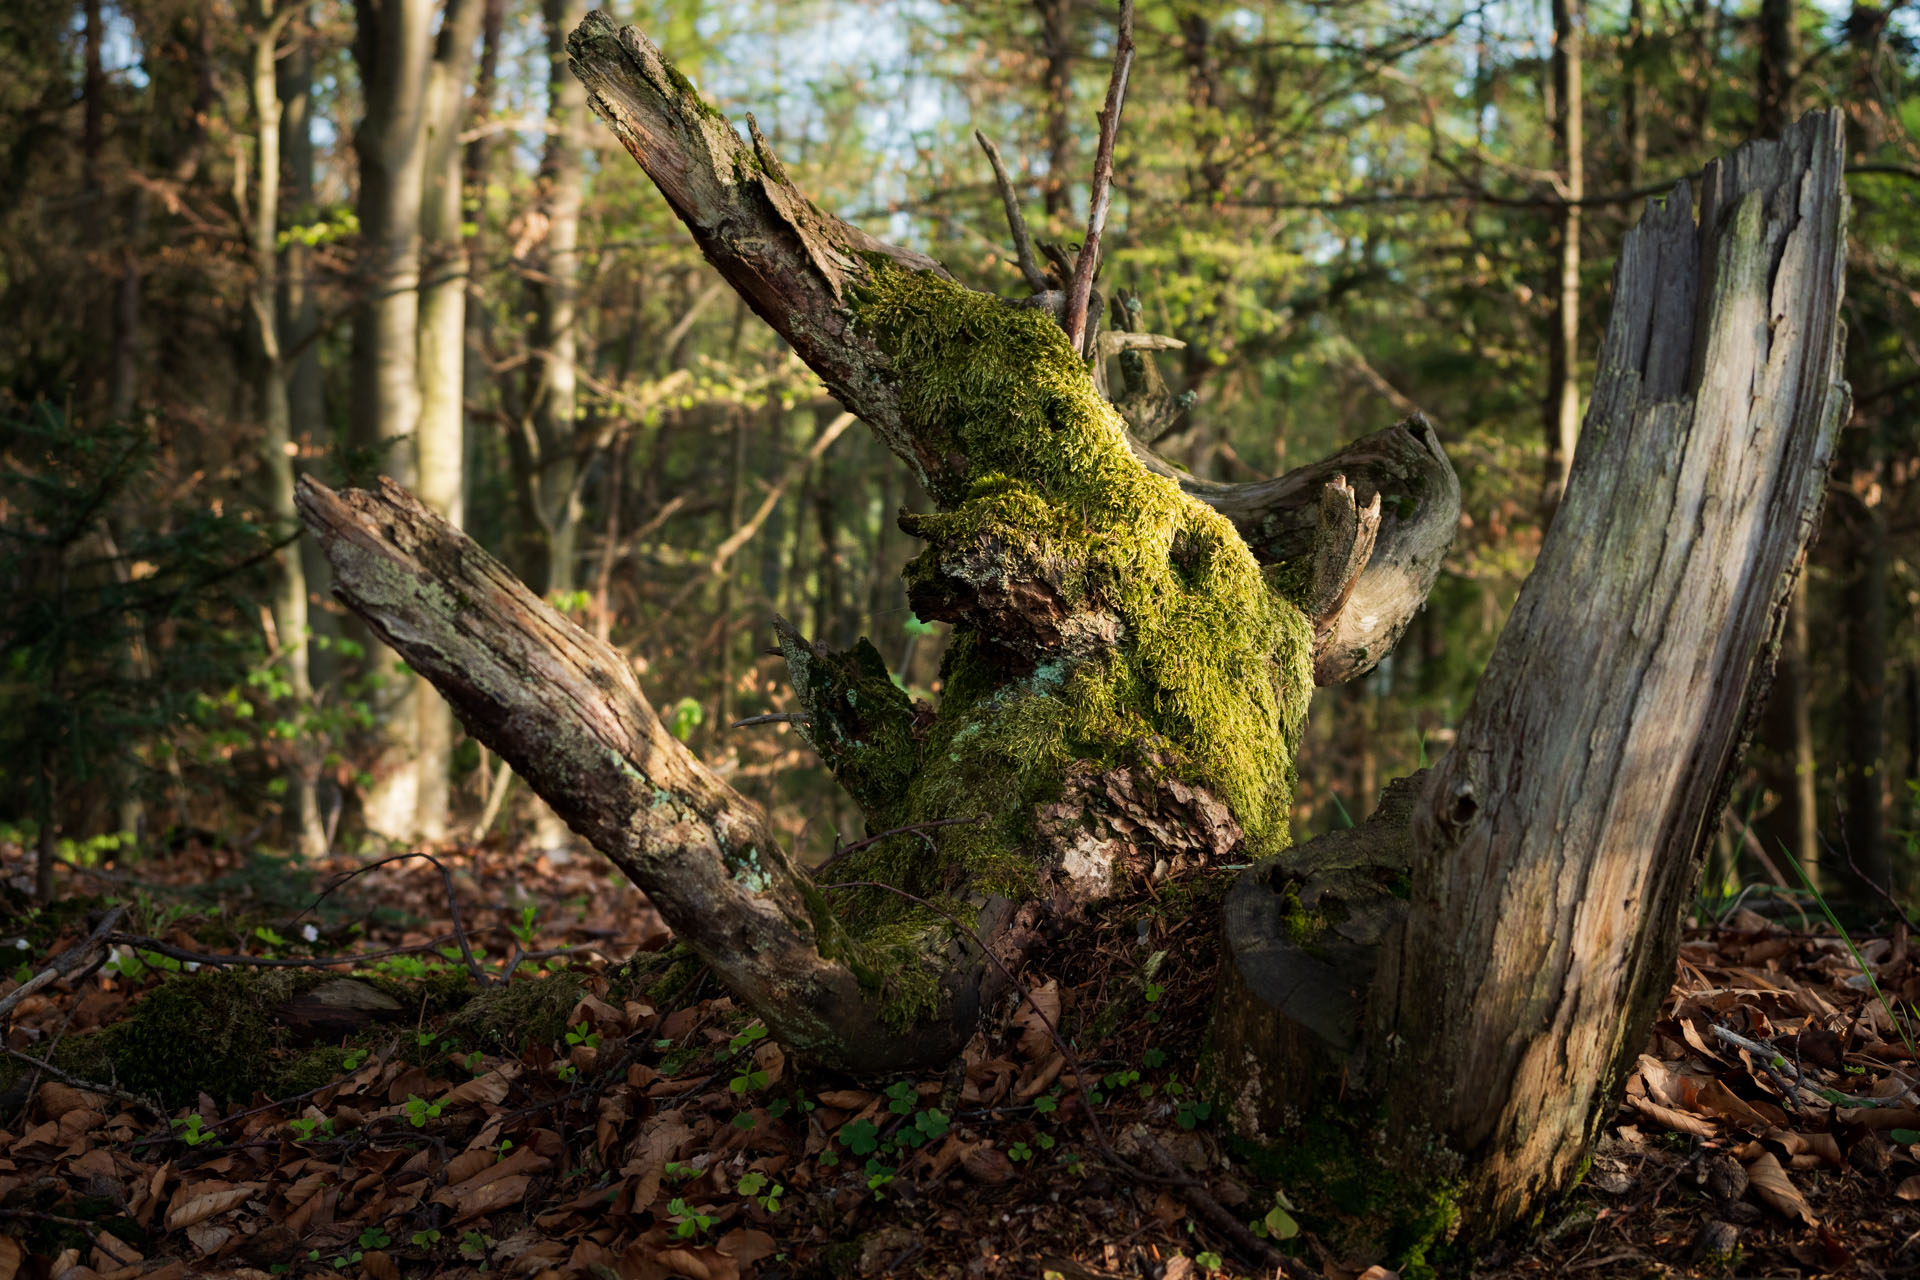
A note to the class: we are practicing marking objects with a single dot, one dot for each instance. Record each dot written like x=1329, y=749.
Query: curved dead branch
x=564, y=710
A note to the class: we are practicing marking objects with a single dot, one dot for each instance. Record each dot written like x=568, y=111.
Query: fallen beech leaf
x=490, y=1088
x=1909, y=1189
x=10, y=1257
x=659, y=1140
x=769, y=1058
x=473, y=1200
x=203, y=1200
x=57, y=1099
x=699, y=1264
x=610, y=1122
x=987, y=1164
x=522, y=1160
x=846, y=1099
x=1035, y=1040
x=1770, y=1182
x=1678, y=1121
x=747, y=1246
x=468, y=1163
x=208, y=1236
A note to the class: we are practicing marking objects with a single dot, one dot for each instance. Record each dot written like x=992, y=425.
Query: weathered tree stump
x=1551, y=853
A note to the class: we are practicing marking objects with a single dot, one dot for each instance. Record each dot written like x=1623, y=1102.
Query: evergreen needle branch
x=1080, y=291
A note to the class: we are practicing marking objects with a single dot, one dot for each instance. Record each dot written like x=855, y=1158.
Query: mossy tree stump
x=1132, y=656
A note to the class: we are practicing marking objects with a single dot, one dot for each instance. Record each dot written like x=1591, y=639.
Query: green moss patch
x=1357, y=1194
x=213, y=1033
x=1207, y=678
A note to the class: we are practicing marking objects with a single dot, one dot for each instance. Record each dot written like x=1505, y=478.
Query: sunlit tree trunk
x=300, y=318
x=441, y=437
x=1563, y=349
x=392, y=45
x=548, y=458
x=278, y=445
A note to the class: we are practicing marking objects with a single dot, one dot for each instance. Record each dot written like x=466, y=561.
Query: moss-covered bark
x=1107, y=626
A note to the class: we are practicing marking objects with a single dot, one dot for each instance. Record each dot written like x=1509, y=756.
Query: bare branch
x=1016, y=221
x=1080, y=291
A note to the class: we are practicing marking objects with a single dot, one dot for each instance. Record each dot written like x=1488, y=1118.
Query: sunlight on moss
x=1211, y=675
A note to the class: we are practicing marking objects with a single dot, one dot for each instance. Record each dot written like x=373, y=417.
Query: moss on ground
x=212, y=1033
x=1208, y=681
x=217, y=1033
x=1357, y=1193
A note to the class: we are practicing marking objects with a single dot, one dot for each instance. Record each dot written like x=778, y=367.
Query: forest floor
x=635, y=1136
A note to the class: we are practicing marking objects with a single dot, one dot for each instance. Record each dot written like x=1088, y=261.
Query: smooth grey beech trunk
x=1476, y=958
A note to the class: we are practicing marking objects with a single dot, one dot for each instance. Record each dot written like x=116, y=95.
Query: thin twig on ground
x=90, y=1086
x=66, y=963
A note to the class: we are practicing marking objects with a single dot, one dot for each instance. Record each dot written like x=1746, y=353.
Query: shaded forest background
x=242, y=241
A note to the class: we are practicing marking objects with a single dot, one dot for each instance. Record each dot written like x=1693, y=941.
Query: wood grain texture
x=1558, y=843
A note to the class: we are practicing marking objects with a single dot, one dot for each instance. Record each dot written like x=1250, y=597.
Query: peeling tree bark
x=1554, y=848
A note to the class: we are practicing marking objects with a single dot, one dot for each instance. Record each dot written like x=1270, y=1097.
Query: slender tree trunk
x=736, y=482
x=1633, y=107
x=272, y=401
x=1779, y=66
x=555, y=404
x=1793, y=825
x=299, y=312
x=1563, y=349
x=1706, y=65
x=440, y=442
x=1056, y=46
x=393, y=45
x=556, y=332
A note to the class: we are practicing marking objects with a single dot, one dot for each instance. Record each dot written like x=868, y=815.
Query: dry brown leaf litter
x=1768, y=1129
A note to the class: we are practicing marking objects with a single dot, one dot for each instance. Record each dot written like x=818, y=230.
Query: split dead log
x=1486, y=956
